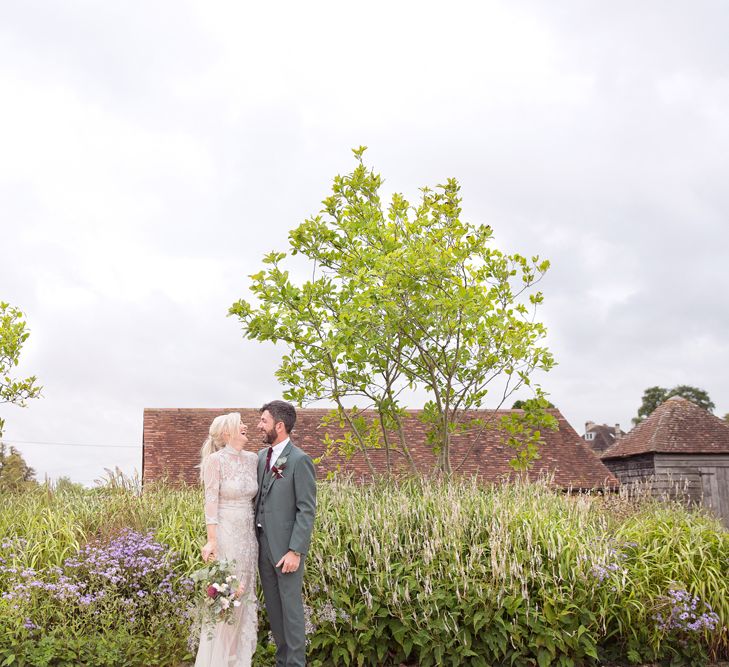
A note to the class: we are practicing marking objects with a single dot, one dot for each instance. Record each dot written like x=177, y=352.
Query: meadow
x=416, y=572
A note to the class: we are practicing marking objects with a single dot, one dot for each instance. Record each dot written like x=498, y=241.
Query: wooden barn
x=681, y=449
x=172, y=440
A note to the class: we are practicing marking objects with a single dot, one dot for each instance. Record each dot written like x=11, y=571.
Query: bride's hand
x=239, y=591
x=210, y=552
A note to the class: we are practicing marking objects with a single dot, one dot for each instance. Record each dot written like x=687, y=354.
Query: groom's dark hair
x=281, y=411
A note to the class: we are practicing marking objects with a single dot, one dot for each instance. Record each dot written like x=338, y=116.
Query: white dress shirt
x=277, y=449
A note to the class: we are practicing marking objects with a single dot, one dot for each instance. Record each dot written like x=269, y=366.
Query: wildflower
x=309, y=627
x=679, y=613
x=327, y=613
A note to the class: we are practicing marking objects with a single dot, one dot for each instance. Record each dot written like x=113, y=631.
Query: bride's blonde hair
x=218, y=435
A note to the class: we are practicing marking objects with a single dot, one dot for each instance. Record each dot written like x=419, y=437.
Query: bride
x=229, y=477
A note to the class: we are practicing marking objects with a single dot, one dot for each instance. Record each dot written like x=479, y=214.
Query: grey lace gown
x=230, y=481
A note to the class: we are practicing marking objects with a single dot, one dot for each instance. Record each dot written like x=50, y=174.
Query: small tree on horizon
x=409, y=297
x=654, y=396
x=15, y=473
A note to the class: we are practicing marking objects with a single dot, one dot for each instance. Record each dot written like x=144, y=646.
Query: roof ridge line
x=659, y=425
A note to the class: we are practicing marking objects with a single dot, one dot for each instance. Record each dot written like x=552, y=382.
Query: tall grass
x=516, y=570
x=57, y=523
x=449, y=573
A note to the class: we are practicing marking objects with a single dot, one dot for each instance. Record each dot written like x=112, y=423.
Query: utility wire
x=67, y=444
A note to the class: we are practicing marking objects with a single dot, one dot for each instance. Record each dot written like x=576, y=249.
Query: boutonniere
x=277, y=470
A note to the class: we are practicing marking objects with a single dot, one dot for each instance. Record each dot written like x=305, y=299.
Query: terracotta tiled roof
x=677, y=426
x=172, y=440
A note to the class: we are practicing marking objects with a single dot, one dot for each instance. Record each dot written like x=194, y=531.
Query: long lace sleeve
x=253, y=476
x=211, y=484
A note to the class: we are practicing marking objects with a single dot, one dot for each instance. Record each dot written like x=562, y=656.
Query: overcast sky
x=152, y=153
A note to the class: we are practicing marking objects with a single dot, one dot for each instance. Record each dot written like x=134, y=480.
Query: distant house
x=678, y=444
x=172, y=440
x=601, y=436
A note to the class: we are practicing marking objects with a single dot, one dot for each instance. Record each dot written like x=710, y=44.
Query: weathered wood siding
x=632, y=469
x=707, y=476
x=696, y=478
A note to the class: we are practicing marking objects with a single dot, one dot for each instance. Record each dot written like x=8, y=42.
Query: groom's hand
x=290, y=562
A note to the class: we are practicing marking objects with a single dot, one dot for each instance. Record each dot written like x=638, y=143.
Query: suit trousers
x=285, y=607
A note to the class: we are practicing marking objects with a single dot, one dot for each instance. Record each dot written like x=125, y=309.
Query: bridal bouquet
x=217, y=585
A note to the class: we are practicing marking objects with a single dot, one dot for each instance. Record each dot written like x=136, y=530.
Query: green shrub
x=421, y=572
x=89, y=610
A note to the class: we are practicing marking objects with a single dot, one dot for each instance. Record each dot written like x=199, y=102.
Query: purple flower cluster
x=131, y=564
x=9, y=546
x=328, y=614
x=62, y=588
x=131, y=573
x=612, y=563
x=13, y=544
x=682, y=612
x=602, y=572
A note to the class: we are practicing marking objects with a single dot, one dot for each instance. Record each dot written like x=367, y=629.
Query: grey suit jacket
x=285, y=506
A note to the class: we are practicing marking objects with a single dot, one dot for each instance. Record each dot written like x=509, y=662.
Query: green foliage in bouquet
x=217, y=587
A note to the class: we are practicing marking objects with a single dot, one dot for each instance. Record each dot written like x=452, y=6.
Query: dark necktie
x=268, y=459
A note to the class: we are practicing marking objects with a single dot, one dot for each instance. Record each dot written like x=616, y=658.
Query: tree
x=13, y=334
x=654, y=396
x=403, y=298
x=523, y=405
x=66, y=485
x=15, y=473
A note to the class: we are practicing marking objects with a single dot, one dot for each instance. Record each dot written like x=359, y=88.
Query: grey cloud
x=192, y=139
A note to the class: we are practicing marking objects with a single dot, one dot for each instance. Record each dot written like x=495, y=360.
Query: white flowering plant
x=218, y=586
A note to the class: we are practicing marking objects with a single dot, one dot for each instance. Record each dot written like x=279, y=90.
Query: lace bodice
x=230, y=479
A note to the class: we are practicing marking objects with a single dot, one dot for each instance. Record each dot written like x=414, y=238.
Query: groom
x=285, y=507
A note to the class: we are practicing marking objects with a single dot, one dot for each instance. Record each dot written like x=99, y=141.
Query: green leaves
x=523, y=429
x=654, y=396
x=13, y=334
x=428, y=572
x=359, y=152
x=401, y=297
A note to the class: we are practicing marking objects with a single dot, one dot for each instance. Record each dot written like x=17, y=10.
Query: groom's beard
x=269, y=437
